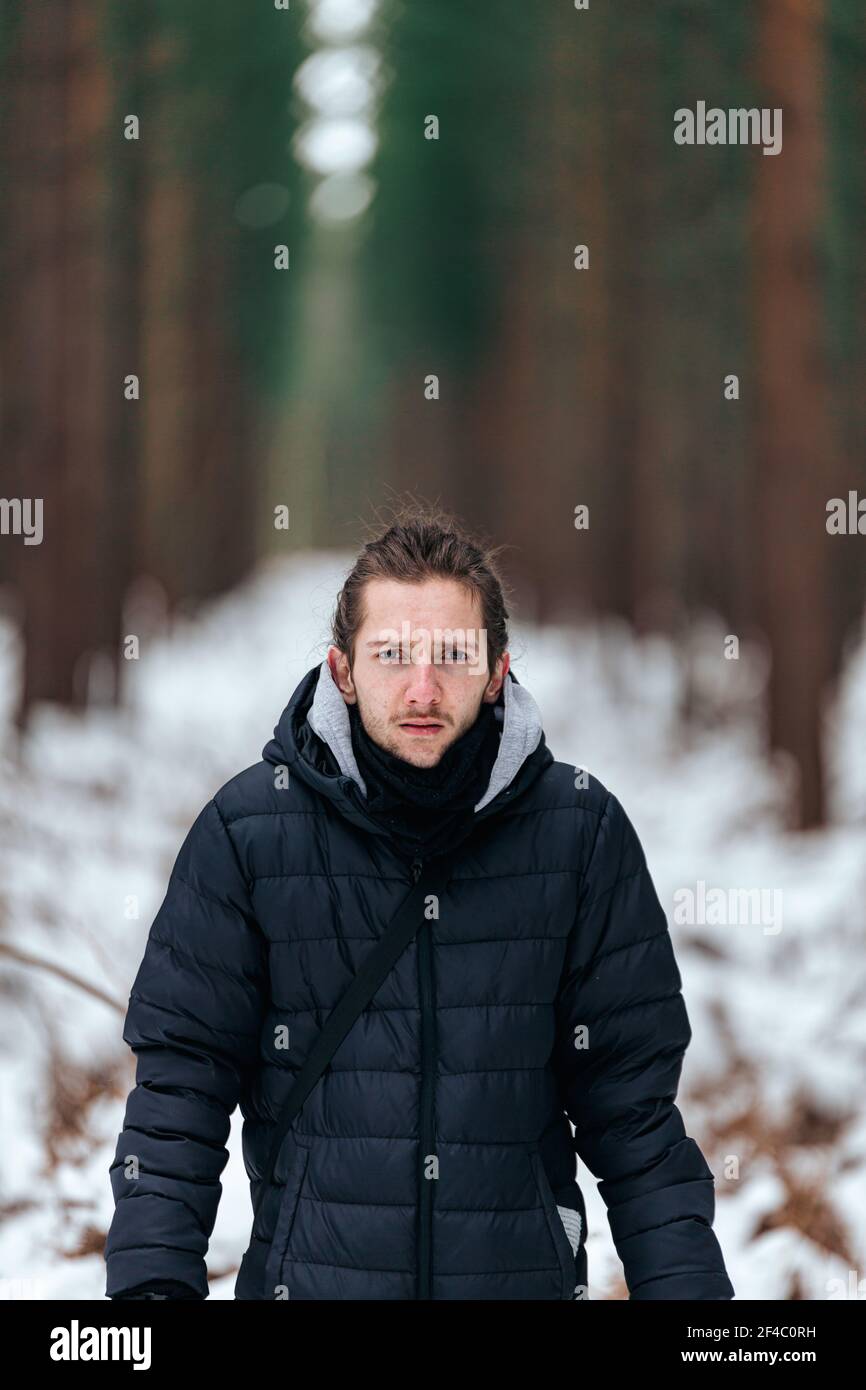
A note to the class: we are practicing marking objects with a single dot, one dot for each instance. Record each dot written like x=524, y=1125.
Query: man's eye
x=387, y=654
x=452, y=655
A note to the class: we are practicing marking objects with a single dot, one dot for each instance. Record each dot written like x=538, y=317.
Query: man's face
x=420, y=667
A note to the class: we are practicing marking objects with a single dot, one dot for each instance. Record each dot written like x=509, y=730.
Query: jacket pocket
x=292, y=1190
x=562, y=1247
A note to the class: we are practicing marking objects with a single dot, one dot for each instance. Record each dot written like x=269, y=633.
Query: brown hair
x=425, y=543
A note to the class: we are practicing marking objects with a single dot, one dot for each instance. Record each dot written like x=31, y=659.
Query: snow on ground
x=93, y=810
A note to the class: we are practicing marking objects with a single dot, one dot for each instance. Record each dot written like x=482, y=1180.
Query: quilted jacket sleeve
x=622, y=1030
x=193, y=1023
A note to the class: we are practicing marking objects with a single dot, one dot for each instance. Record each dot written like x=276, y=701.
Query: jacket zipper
x=425, y=1191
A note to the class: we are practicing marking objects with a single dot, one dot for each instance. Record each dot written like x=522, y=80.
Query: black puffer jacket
x=435, y=1158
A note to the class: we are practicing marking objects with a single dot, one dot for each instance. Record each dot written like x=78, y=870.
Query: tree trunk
x=793, y=440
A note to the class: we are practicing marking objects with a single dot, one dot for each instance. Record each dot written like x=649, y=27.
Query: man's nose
x=423, y=687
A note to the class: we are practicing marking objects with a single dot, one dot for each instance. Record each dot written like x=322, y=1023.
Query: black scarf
x=425, y=809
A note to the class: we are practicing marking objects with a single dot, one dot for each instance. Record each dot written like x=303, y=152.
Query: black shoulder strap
x=403, y=927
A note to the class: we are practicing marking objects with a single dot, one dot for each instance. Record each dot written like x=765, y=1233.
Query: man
x=435, y=1157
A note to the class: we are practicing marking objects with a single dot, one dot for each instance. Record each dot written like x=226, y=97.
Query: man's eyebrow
x=395, y=641
x=398, y=642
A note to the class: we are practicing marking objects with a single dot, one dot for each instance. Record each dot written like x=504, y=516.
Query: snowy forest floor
x=93, y=810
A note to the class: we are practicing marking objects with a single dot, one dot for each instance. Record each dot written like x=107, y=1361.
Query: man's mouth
x=422, y=728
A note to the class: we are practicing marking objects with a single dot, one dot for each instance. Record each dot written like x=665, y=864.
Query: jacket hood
x=314, y=734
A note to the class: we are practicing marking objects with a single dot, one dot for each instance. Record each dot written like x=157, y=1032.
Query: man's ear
x=494, y=685
x=341, y=674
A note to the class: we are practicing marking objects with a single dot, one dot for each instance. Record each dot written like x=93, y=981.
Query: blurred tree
x=52, y=348
x=845, y=111
x=794, y=443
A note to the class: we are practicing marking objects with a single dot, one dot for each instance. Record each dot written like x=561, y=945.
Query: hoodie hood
x=313, y=739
